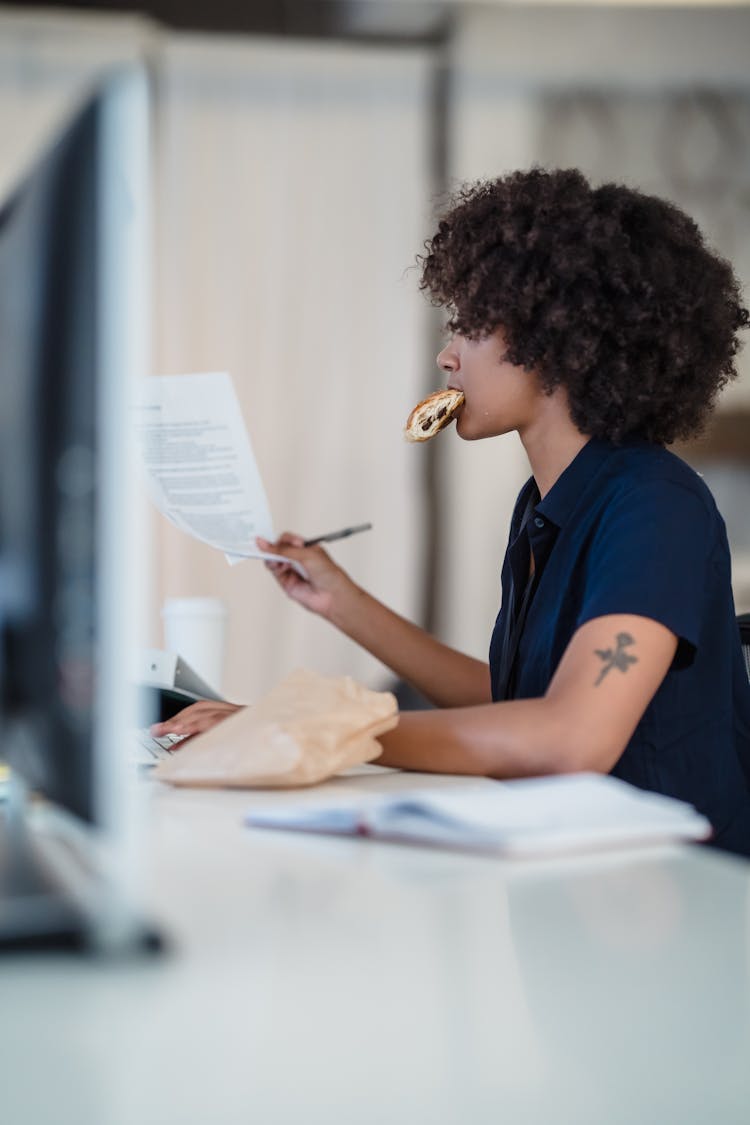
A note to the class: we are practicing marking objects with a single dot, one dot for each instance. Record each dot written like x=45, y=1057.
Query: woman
x=598, y=325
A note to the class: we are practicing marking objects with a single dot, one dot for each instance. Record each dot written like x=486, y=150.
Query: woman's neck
x=551, y=440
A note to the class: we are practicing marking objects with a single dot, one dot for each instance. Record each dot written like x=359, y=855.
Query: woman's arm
x=608, y=675
x=606, y=679
x=446, y=677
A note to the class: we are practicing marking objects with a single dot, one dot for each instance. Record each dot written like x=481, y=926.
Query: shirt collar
x=561, y=500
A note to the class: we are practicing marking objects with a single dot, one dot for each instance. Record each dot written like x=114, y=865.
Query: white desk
x=320, y=980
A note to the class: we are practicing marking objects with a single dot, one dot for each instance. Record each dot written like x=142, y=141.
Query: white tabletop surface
x=315, y=979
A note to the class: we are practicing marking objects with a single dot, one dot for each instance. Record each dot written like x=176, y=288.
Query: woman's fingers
x=322, y=576
x=195, y=719
x=286, y=539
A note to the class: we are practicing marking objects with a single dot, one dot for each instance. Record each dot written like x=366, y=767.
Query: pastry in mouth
x=432, y=415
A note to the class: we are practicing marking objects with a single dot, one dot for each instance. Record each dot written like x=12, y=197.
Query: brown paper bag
x=305, y=730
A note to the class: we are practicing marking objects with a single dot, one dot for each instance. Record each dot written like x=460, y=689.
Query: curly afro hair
x=607, y=291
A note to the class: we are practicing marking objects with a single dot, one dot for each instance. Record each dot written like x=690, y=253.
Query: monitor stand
x=35, y=910
x=38, y=911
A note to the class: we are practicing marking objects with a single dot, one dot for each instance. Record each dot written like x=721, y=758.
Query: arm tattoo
x=616, y=657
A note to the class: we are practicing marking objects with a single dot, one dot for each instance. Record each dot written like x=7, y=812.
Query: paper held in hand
x=534, y=816
x=200, y=467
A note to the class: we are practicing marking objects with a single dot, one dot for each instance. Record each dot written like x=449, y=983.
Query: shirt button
x=539, y=521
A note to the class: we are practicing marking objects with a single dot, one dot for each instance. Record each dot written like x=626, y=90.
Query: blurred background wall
x=300, y=152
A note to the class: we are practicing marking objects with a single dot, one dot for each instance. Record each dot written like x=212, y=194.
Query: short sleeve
x=650, y=557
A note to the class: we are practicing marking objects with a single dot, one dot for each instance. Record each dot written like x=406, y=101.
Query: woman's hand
x=326, y=584
x=196, y=718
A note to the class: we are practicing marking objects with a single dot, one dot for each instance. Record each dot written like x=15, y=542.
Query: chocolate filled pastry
x=432, y=415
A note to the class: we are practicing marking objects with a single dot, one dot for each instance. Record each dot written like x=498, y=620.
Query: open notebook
x=531, y=816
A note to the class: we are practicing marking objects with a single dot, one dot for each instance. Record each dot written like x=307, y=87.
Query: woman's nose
x=447, y=359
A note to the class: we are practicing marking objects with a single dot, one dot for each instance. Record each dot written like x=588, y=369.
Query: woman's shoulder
x=648, y=470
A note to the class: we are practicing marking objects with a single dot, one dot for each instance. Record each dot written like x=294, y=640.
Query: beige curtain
x=292, y=198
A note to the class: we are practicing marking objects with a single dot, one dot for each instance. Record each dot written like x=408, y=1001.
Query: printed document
x=201, y=470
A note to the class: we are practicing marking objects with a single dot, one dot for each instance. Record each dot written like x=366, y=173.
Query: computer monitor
x=74, y=332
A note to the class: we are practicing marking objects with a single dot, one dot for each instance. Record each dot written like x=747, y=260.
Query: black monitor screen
x=49, y=323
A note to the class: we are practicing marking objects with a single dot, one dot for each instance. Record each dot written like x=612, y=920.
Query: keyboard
x=150, y=750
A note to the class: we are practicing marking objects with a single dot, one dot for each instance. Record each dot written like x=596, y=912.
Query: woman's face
x=499, y=397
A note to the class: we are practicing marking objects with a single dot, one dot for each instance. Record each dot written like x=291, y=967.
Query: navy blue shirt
x=633, y=529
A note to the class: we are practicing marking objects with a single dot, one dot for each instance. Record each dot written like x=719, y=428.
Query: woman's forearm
x=514, y=739
x=446, y=677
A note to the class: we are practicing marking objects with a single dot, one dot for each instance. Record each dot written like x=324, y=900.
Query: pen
x=332, y=535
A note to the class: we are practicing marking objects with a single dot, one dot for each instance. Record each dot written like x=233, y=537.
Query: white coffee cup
x=195, y=628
